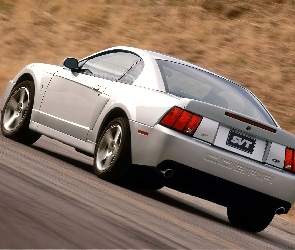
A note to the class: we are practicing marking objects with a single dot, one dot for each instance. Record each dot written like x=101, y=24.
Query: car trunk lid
x=241, y=134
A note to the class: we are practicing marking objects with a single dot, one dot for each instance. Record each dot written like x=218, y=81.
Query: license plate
x=241, y=142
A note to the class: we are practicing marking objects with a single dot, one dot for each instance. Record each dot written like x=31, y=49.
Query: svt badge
x=241, y=142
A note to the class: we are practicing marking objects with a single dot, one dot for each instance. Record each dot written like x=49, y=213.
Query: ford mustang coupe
x=135, y=109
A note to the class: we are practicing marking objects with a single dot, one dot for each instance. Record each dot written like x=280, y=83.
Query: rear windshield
x=185, y=81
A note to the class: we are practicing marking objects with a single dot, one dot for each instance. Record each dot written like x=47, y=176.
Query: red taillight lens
x=181, y=120
x=289, y=164
x=193, y=124
x=170, y=118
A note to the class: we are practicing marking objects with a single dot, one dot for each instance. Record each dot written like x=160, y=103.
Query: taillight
x=289, y=164
x=181, y=120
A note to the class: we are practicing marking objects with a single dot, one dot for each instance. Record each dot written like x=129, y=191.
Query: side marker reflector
x=141, y=132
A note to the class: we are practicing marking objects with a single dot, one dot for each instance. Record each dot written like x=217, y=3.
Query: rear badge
x=241, y=142
x=275, y=160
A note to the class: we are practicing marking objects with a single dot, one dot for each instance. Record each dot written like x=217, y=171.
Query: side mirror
x=71, y=63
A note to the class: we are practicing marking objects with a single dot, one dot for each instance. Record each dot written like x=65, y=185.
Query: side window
x=112, y=65
x=132, y=74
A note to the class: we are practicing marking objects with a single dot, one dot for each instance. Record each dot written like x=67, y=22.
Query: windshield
x=185, y=81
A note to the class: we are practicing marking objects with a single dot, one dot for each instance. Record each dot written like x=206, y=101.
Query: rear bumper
x=162, y=145
x=226, y=193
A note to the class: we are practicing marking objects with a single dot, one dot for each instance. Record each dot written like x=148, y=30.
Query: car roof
x=159, y=56
x=156, y=55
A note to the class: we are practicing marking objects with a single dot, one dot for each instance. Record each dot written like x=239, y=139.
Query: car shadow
x=77, y=163
x=155, y=195
x=176, y=203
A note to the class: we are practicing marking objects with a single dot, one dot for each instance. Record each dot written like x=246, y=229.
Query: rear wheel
x=112, y=158
x=250, y=219
x=16, y=114
x=154, y=184
x=143, y=180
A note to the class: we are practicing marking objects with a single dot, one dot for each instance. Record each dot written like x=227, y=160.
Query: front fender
x=25, y=73
x=7, y=91
x=41, y=75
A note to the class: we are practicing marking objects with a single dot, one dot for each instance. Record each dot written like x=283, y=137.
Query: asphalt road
x=49, y=198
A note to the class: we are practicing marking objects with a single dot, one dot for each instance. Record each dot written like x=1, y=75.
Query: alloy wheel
x=108, y=147
x=16, y=109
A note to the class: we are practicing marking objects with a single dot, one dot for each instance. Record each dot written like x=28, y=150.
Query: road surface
x=51, y=199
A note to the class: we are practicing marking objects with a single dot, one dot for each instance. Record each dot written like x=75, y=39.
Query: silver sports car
x=171, y=122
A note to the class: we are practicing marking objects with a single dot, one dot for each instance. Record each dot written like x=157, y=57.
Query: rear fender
x=125, y=104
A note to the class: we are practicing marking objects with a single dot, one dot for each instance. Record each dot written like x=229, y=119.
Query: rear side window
x=112, y=65
x=132, y=74
x=185, y=81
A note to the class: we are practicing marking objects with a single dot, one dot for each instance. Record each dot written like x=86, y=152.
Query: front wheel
x=16, y=114
x=250, y=219
x=112, y=158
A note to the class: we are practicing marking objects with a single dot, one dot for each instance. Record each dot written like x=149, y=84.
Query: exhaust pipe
x=167, y=173
x=280, y=210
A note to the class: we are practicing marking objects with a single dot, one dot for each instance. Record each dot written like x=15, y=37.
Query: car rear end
x=223, y=145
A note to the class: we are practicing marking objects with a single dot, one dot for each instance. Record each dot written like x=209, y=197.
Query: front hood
x=218, y=114
x=47, y=68
x=36, y=70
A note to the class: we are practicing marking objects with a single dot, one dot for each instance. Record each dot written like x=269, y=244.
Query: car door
x=73, y=100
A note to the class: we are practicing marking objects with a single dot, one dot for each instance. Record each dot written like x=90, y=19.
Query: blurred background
x=248, y=41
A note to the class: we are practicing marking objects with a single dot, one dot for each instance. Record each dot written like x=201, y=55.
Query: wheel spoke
x=22, y=95
x=12, y=104
x=104, y=162
x=116, y=149
x=108, y=161
x=18, y=120
x=10, y=121
x=25, y=104
x=101, y=155
x=108, y=136
x=117, y=136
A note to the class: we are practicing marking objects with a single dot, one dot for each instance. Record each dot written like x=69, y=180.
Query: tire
x=250, y=219
x=112, y=157
x=155, y=184
x=141, y=182
x=16, y=114
x=152, y=180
